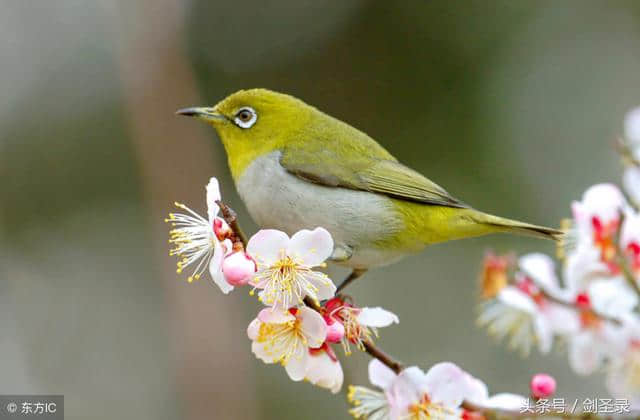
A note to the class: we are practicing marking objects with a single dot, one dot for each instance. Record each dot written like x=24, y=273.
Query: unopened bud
x=238, y=268
x=542, y=385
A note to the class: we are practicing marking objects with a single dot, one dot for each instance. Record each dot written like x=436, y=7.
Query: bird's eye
x=245, y=117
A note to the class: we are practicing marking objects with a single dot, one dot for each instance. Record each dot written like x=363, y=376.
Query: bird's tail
x=500, y=224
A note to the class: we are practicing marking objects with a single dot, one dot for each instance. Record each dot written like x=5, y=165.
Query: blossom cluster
x=445, y=391
x=283, y=270
x=590, y=299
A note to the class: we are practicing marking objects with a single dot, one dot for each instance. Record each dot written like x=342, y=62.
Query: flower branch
x=593, y=307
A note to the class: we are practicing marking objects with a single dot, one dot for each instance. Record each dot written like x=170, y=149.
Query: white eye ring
x=245, y=123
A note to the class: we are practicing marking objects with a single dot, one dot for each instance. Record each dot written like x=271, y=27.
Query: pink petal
x=296, y=366
x=267, y=246
x=445, y=384
x=475, y=391
x=213, y=194
x=324, y=372
x=377, y=317
x=313, y=326
x=253, y=329
x=312, y=247
x=405, y=390
x=275, y=316
x=380, y=375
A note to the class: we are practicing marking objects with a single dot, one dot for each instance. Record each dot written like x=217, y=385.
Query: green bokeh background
x=512, y=106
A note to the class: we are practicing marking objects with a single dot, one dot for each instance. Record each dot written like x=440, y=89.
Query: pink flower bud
x=238, y=268
x=542, y=385
x=335, y=332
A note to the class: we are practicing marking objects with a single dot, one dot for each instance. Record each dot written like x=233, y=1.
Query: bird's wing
x=378, y=174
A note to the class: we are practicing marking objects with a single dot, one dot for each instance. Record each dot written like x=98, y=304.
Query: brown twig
x=231, y=217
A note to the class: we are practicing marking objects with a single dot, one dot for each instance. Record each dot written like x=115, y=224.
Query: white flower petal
x=603, y=200
x=584, y=266
x=312, y=247
x=267, y=246
x=562, y=320
x=631, y=182
x=275, y=316
x=253, y=329
x=506, y=401
x=325, y=286
x=613, y=297
x=213, y=195
x=476, y=391
x=632, y=125
x=541, y=269
x=215, y=265
x=407, y=389
x=297, y=365
x=313, y=326
x=630, y=232
x=544, y=334
x=325, y=372
x=377, y=317
x=585, y=355
x=380, y=375
x=446, y=383
x=514, y=297
x=261, y=352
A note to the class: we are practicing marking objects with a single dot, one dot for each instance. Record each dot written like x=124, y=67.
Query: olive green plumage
x=297, y=167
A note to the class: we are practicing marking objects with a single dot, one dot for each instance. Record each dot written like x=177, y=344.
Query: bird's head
x=253, y=122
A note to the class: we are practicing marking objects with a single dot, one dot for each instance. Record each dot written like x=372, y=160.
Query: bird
x=296, y=167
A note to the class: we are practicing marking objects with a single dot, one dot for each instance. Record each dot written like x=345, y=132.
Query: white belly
x=277, y=199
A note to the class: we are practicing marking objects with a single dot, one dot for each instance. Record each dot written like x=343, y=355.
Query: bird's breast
x=358, y=220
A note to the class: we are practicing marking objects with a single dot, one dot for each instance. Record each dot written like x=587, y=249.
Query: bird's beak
x=202, y=113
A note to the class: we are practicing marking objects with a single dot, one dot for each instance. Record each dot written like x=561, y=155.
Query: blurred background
x=512, y=106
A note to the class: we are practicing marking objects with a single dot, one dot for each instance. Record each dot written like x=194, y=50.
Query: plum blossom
x=411, y=394
x=524, y=313
x=287, y=338
x=201, y=242
x=597, y=220
x=285, y=264
x=514, y=313
x=359, y=325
